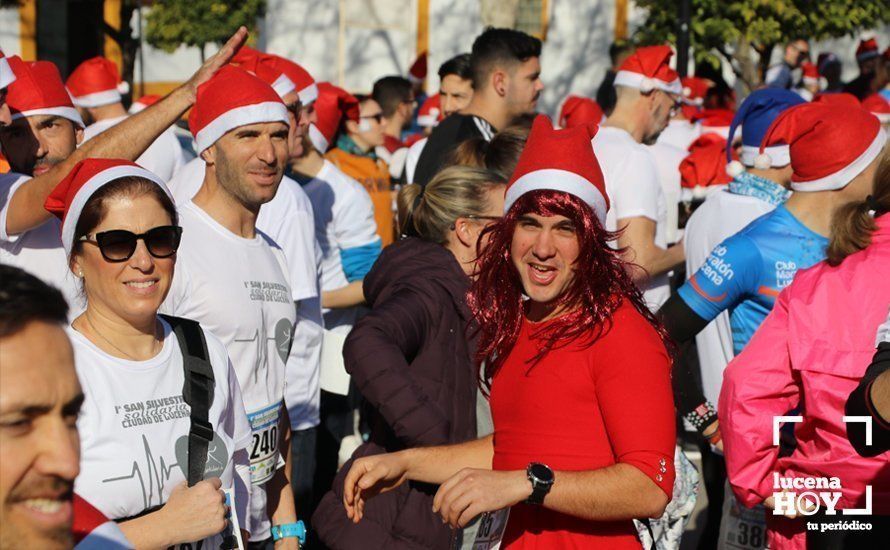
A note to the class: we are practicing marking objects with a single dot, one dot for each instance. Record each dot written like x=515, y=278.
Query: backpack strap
x=197, y=391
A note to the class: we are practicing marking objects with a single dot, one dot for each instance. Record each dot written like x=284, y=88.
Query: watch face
x=542, y=473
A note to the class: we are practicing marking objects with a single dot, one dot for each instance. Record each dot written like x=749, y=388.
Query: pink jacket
x=810, y=353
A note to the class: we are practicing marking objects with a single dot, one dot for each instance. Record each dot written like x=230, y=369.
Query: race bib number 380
x=264, y=443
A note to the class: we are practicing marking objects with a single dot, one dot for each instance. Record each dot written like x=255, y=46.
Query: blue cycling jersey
x=746, y=272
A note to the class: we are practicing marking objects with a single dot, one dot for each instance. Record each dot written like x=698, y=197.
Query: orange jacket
x=374, y=176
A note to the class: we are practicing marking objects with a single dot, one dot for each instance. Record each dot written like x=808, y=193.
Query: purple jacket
x=411, y=359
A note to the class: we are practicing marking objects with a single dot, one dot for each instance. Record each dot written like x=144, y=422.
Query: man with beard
x=44, y=131
x=234, y=279
x=506, y=70
x=574, y=457
x=648, y=91
x=29, y=235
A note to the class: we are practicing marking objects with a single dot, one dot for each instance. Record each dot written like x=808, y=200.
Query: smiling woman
x=119, y=228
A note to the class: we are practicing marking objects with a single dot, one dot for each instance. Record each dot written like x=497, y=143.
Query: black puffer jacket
x=412, y=361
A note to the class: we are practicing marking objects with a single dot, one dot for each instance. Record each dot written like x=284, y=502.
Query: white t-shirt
x=163, y=157
x=667, y=162
x=289, y=221
x=344, y=218
x=680, y=133
x=287, y=218
x=239, y=289
x=134, y=428
x=413, y=156
x=38, y=251
x=722, y=215
x=634, y=191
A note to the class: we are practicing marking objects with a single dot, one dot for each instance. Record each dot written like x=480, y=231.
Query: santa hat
x=704, y=166
x=694, y=89
x=232, y=98
x=839, y=99
x=38, y=90
x=96, y=82
x=559, y=160
x=830, y=145
x=877, y=105
x=7, y=77
x=755, y=115
x=332, y=105
x=305, y=84
x=648, y=69
x=715, y=121
x=810, y=74
x=867, y=49
x=91, y=529
x=263, y=66
x=577, y=110
x=69, y=197
x=430, y=113
x=143, y=102
x=417, y=72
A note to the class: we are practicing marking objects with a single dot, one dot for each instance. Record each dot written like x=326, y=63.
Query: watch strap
x=289, y=530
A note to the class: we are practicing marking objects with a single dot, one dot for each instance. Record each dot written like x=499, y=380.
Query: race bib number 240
x=264, y=443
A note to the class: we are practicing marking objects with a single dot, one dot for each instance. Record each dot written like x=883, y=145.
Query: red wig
x=600, y=285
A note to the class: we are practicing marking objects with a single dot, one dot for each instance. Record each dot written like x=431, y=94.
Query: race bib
x=264, y=443
x=741, y=528
x=491, y=530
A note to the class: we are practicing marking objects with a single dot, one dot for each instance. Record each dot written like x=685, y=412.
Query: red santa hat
x=560, y=160
x=332, y=106
x=853, y=136
x=715, y=121
x=232, y=98
x=695, y=89
x=143, y=102
x=577, y=110
x=38, y=90
x=263, y=66
x=305, y=84
x=69, y=197
x=430, y=113
x=649, y=69
x=417, y=72
x=7, y=77
x=878, y=106
x=867, y=49
x=839, y=99
x=96, y=82
x=810, y=74
x=705, y=165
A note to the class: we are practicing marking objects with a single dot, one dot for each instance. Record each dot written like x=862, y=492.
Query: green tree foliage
x=744, y=32
x=173, y=23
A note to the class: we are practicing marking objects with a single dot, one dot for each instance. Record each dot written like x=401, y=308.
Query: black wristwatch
x=541, y=477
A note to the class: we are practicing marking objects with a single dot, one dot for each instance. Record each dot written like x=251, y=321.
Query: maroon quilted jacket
x=412, y=361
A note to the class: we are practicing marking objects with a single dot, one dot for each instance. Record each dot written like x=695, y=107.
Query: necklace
x=110, y=343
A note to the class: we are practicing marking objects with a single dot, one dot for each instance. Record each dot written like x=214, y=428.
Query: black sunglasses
x=118, y=245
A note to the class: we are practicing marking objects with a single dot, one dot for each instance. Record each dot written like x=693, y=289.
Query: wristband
x=701, y=417
x=715, y=438
x=290, y=530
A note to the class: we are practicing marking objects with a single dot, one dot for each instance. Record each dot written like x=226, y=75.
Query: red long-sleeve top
x=584, y=407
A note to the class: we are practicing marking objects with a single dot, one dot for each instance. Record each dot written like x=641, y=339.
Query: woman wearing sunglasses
x=412, y=357
x=119, y=229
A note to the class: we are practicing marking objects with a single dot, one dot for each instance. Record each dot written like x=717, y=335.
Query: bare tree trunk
x=747, y=69
x=499, y=13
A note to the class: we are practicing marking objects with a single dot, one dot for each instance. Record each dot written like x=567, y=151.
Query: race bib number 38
x=264, y=444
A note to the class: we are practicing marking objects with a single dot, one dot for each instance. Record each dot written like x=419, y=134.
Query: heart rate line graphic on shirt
x=157, y=475
x=283, y=338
